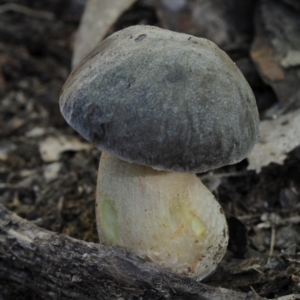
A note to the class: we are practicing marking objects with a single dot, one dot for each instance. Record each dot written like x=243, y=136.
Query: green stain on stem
x=108, y=220
x=198, y=227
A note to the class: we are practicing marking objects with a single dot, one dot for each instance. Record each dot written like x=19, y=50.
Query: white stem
x=169, y=218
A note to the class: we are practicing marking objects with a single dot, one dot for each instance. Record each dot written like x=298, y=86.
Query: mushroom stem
x=165, y=217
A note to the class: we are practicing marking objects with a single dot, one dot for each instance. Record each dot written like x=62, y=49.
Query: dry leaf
x=277, y=138
x=51, y=171
x=98, y=17
x=276, y=49
x=52, y=147
x=35, y=132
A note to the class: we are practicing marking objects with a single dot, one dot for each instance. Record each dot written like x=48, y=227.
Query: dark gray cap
x=168, y=100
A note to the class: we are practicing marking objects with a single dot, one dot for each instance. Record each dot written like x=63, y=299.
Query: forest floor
x=48, y=172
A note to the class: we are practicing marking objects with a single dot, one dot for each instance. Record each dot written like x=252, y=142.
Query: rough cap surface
x=168, y=100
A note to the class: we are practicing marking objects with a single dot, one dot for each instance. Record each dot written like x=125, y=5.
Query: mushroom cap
x=163, y=99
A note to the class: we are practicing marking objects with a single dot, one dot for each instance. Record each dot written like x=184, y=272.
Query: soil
x=263, y=210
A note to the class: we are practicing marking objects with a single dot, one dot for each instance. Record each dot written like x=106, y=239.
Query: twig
x=26, y=11
x=290, y=297
x=272, y=243
x=268, y=224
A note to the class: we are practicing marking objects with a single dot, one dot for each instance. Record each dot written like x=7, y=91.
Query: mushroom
x=162, y=106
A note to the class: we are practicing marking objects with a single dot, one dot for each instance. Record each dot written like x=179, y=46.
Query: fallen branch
x=26, y=11
x=56, y=266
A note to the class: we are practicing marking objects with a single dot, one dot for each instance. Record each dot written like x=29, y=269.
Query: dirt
x=263, y=210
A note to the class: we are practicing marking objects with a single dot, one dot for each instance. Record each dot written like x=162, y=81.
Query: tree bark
x=56, y=266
